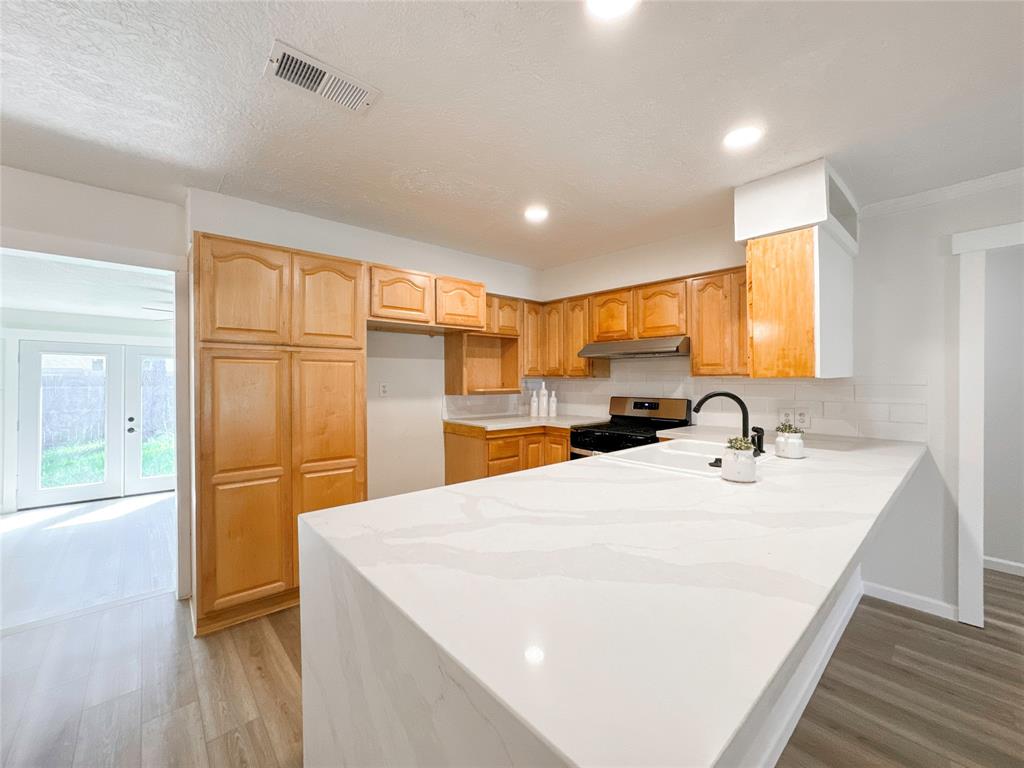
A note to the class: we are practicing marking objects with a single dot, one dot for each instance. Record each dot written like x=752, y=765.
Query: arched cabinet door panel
x=611, y=315
x=460, y=303
x=328, y=303
x=532, y=340
x=397, y=294
x=244, y=291
x=661, y=309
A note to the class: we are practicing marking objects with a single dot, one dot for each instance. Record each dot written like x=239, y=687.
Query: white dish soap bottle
x=534, y=406
x=553, y=405
x=542, y=400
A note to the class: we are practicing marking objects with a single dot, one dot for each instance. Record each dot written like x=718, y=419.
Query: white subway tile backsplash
x=915, y=413
x=891, y=393
x=853, y=411
x=889, y=407
x=825, y=426
x=887, y=430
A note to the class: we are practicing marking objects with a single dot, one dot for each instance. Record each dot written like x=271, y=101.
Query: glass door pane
x=72, y=419
x=149, y=426
x=69, y=412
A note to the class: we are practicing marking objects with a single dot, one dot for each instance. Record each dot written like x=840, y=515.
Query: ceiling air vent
x=311, y=74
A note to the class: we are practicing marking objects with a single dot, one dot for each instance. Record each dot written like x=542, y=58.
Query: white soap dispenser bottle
x=534, y=406
x=542, y=400
x=553, y=405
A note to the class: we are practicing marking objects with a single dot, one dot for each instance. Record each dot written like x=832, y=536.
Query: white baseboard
x=910, y=600
x=1004, y=566
x=768, y=729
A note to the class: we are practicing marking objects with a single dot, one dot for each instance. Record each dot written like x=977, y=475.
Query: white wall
x=223, y=215
x=405, y=444
x=700, y=251
x=1004, y=406
x=49, y=215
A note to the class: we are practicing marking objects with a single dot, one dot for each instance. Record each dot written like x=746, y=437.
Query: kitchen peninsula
x=626, y=609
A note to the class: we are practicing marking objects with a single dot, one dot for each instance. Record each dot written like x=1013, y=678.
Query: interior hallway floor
x=56, y=561
x=131, y=686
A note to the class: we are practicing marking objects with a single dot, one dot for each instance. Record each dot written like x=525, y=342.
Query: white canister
x=534, y=405
x=542, y=401
x=739, y=466
x=553, y=405
x=789, y=445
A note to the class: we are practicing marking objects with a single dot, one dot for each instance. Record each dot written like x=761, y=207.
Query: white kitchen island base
x=601, y=612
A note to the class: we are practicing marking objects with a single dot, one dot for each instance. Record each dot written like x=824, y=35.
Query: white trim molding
x=942, y=194
x=989, y=238
x=1004, y=566
x=910, y=600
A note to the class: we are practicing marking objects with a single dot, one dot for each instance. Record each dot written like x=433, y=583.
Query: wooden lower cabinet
x=472, y=453
x=278, y=433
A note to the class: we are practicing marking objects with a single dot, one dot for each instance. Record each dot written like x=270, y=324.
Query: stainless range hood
x=668, y=346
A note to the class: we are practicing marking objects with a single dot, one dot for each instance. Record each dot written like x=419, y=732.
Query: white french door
x=149, y=420
x=95, y=421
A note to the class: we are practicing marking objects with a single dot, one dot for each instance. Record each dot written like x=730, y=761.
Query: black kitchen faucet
x=757, y=438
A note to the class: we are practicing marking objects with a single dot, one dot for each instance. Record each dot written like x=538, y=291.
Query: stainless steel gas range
x=634, y=421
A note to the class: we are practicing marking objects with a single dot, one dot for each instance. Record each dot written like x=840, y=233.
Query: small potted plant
x=789, y=441
x=738, y=463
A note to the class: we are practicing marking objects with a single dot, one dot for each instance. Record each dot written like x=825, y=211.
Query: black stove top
x=633, y=422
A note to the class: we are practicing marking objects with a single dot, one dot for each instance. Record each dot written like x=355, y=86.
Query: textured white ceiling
x=60, y=284
x=489, y=106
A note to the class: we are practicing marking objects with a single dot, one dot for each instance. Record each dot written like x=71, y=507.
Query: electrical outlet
x=785, y=415
x=802, y=419
x=383, y=389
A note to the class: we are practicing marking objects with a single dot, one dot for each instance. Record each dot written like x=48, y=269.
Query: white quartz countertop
x=491, y=423
x=627, y=612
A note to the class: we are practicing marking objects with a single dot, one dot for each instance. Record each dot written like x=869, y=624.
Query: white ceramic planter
x=739, y=466
x=789, y=446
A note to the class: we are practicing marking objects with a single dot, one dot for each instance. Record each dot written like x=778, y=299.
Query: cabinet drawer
x=503, y=466
x=503, y=448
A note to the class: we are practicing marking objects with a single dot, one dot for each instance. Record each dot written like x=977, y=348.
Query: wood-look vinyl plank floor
x=903, y=689
x=909, y=689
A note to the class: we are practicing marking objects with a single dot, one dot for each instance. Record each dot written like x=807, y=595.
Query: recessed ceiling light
x=608, y=10
x=741, y=138
x=536, y=214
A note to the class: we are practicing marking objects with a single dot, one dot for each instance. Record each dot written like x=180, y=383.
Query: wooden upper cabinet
x=328, y=432
x=507, y=318
x=460, y=302
x=661, y=309
x=244, y=536
x=244, y=291
x=780, y=272
x=553, y=347
x=328, y=302
x=611, y=315
x=532, y=340
x=397, y=294
x=718, y=324
x=577, y=335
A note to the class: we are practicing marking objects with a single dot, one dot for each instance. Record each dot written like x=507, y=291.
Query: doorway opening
x=90, y=466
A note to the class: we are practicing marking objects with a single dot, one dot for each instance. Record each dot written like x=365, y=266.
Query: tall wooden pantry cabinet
x=280, y=415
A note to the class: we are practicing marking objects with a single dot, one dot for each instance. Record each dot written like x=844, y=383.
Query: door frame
x=180, y=266
x=971, y=249
x=28, y=433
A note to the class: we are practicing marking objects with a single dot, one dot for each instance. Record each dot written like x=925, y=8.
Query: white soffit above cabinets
x=488, y=107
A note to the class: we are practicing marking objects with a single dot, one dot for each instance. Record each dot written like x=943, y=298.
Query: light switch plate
x=786, y=416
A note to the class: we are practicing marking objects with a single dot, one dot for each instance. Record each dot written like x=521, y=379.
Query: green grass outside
x=84, y=463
